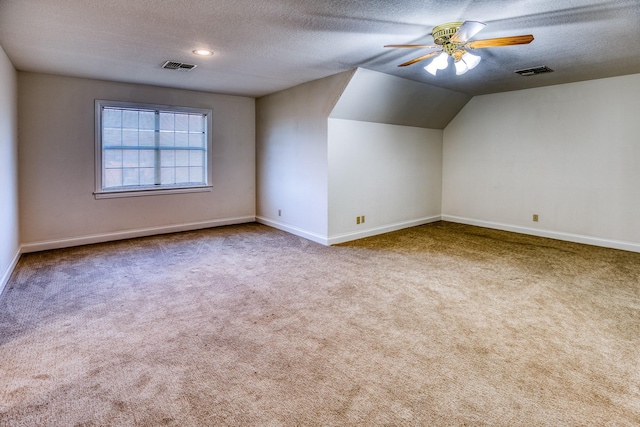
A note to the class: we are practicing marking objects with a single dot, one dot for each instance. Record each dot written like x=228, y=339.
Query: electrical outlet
x=357, y=220
x=363, y=219
x=279, y=212
x=535, y=217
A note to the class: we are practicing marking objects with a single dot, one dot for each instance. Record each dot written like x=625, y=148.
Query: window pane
x=166, y=121
x=111, y=137
x=168, y=176
x=147, y=138
x=196, y=158
x=196, y=175
x=112, y=158
x=166, y=139
x=112, y=178
x=146, y=147
x=182, y=139
x=129, y=119
x=182, y=122
x=129, y=137
x=147, y=120
x=130, y=176
x=147, y=158
x=196, y=140
x=130, y=158
x=182, y=158
x=167, y=158
x=182, y=175
x=111, y=118
x=147, y=176
x=196, y=123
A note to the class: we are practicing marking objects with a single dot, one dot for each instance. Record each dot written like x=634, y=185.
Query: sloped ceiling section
x=381, y=98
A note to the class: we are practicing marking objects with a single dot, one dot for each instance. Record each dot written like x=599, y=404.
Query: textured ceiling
x=265, y=46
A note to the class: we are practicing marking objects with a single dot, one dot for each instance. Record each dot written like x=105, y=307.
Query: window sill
x=150, y=192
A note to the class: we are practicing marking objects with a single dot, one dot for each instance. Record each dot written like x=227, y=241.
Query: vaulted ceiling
x=264, y=46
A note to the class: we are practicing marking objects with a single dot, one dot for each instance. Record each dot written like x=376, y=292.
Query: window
x=151, y=149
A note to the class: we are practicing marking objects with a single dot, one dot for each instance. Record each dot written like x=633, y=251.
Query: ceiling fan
x=452, y=39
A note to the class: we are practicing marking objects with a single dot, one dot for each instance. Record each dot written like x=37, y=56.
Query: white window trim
x=99, y=193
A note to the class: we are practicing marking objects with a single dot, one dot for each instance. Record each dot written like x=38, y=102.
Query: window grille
x=144, y=148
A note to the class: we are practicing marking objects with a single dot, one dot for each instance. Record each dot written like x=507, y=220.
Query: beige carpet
x=443, y=324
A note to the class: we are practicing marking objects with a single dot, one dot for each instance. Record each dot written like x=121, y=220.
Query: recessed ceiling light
x=203, y=52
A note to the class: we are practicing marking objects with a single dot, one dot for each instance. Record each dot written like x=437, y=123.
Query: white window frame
x=101, y=193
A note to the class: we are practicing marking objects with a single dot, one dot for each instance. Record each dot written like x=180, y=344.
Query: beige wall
x=568, y=153
x=56, y=164
x=291, y=150
x=347, y=146
x=390, y=174
x=564, y=152
x=9, y=235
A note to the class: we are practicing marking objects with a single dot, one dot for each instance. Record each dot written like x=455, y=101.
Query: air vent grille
x=179, y=66
x=534, y=70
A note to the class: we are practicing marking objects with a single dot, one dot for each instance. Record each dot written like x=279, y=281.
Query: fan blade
x=412, y=46
x=501, y=41
x=467, y=30
x=420, y=58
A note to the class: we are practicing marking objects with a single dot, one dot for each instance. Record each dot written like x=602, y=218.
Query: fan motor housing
x=442, y=33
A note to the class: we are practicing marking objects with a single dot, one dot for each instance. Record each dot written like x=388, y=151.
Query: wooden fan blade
x=467, y=30
x=500, y=41
x=412, y=46
x=420, y=58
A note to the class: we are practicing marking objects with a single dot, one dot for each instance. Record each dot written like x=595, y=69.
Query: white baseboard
x=7, y=273
x=347, y=237
x=129, y=234
x=293, y=230
x=569, y=237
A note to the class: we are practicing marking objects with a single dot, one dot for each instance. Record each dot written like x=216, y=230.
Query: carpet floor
x=438, y=325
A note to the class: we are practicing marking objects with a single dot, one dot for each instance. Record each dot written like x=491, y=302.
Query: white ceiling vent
x=179, y=66
x=534, y=70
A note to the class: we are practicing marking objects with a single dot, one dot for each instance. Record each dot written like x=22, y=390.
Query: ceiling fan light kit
x=461, y=67
x=466, y=62
x=439, y=63
x=471, y=60
x=453, y=40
